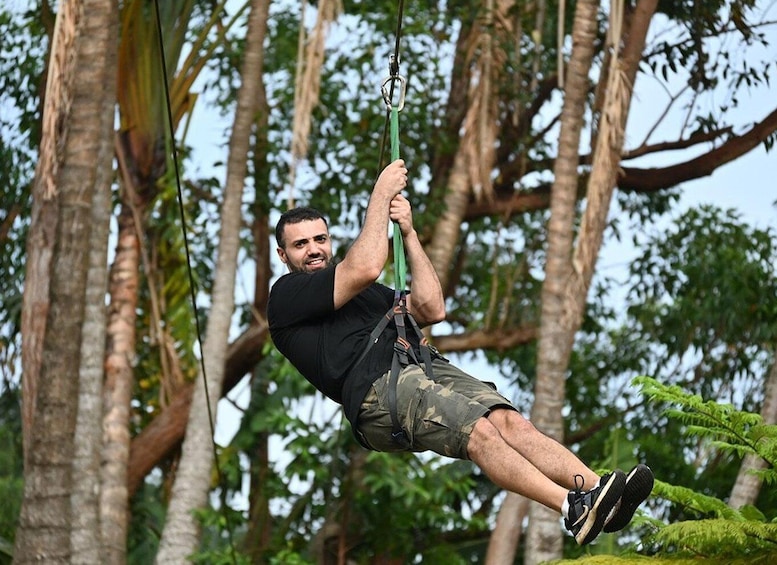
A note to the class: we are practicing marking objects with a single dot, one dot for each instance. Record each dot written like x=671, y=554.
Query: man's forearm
x=427, y=300
x=371, y=246
x=369, y=252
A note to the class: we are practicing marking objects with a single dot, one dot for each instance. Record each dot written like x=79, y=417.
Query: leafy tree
x=11, y=467
x=478, y=80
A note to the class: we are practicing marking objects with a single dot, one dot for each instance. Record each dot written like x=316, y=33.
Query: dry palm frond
x=58, y=97
x=609, y=143
x=307, y=83
x=617, y=99
x=480, y=122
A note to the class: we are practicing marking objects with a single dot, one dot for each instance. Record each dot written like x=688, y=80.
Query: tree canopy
x=481, y=131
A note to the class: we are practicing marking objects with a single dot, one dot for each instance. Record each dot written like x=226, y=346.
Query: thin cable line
x=393, y=68
x=192, y=293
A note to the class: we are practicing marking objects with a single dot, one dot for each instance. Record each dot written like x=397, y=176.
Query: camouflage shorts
x=437, y=414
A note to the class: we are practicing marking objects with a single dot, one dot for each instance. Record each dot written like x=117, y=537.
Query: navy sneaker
x=639, y=485
x=588, y=510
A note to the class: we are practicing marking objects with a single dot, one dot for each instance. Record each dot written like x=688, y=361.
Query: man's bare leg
x=553, y=459
x=509, y=469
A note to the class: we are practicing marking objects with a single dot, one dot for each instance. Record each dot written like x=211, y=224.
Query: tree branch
x=508, y=201
x=654, y=179
x=694, y=139
x=165, y=432
x=498, y=340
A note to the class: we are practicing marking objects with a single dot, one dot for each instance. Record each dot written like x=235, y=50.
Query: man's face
x=307, y=247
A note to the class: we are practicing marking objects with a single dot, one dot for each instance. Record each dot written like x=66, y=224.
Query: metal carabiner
x=387, y=94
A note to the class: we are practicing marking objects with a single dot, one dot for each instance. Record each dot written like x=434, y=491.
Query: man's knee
x=505, y=419
x=483, y=433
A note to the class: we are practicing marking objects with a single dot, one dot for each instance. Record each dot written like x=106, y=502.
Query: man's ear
x=282, y=255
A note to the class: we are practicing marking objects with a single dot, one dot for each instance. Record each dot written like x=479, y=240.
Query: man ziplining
x=397, y=392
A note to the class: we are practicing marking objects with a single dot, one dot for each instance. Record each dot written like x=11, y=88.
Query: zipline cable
x=192, y=294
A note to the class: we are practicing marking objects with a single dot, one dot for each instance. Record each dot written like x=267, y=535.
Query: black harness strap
x=404, y=355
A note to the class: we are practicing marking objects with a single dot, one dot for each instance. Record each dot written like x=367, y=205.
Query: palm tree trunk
x=504, y=540
x=117, y=392
x=555, y=342
x=260, y=523
x=101, y=24
x=190, y=491
x=446, y=237
x=45, y=211
x=748, y=485
x=46, y=522
x=567, y=281
x=606, y=162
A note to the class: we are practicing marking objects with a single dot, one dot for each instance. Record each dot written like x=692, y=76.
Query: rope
x=192, y=285
x=392, y=127
x=400, y=267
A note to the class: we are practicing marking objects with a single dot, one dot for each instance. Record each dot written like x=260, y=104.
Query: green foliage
x=727, y=429
x=288, y=557
x=217, y=546
x=22, y=45
x=723, y=532
x=719, y=539
x=417, y=499
x=711, y=282
x=148, y=511
x=702, y=298
x=11, y=467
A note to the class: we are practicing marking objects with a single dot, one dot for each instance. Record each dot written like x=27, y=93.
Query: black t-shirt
x=324, y=343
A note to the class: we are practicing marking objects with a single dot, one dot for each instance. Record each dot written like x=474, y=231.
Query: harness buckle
x=401, y=438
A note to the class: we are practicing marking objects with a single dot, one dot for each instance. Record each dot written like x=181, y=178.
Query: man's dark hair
x=295, y=216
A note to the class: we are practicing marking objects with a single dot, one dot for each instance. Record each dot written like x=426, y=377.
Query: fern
x=723, y=533
x=729, y=429
x=717, y=539
x=695, y=503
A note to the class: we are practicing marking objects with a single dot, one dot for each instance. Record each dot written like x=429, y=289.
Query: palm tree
x=143, y=145
x=180, y=535
x=76, y=185
x=544, y=540
x=568, y=273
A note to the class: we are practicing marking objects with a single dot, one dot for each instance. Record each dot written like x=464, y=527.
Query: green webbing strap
x=400, y=268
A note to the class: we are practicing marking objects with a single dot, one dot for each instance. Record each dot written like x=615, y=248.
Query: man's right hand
x=392, y=179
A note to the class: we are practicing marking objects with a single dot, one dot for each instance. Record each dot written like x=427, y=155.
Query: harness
x=404, y=355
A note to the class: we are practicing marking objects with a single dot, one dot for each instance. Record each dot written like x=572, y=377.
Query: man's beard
x=328, y=262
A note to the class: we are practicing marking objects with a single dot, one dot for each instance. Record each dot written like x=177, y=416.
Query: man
x=321, y=316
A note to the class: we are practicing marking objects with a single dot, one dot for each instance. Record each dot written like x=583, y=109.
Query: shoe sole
x=608, y=498
x=639, y=485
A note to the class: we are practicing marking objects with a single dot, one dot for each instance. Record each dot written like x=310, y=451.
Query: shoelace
x=579, y=487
